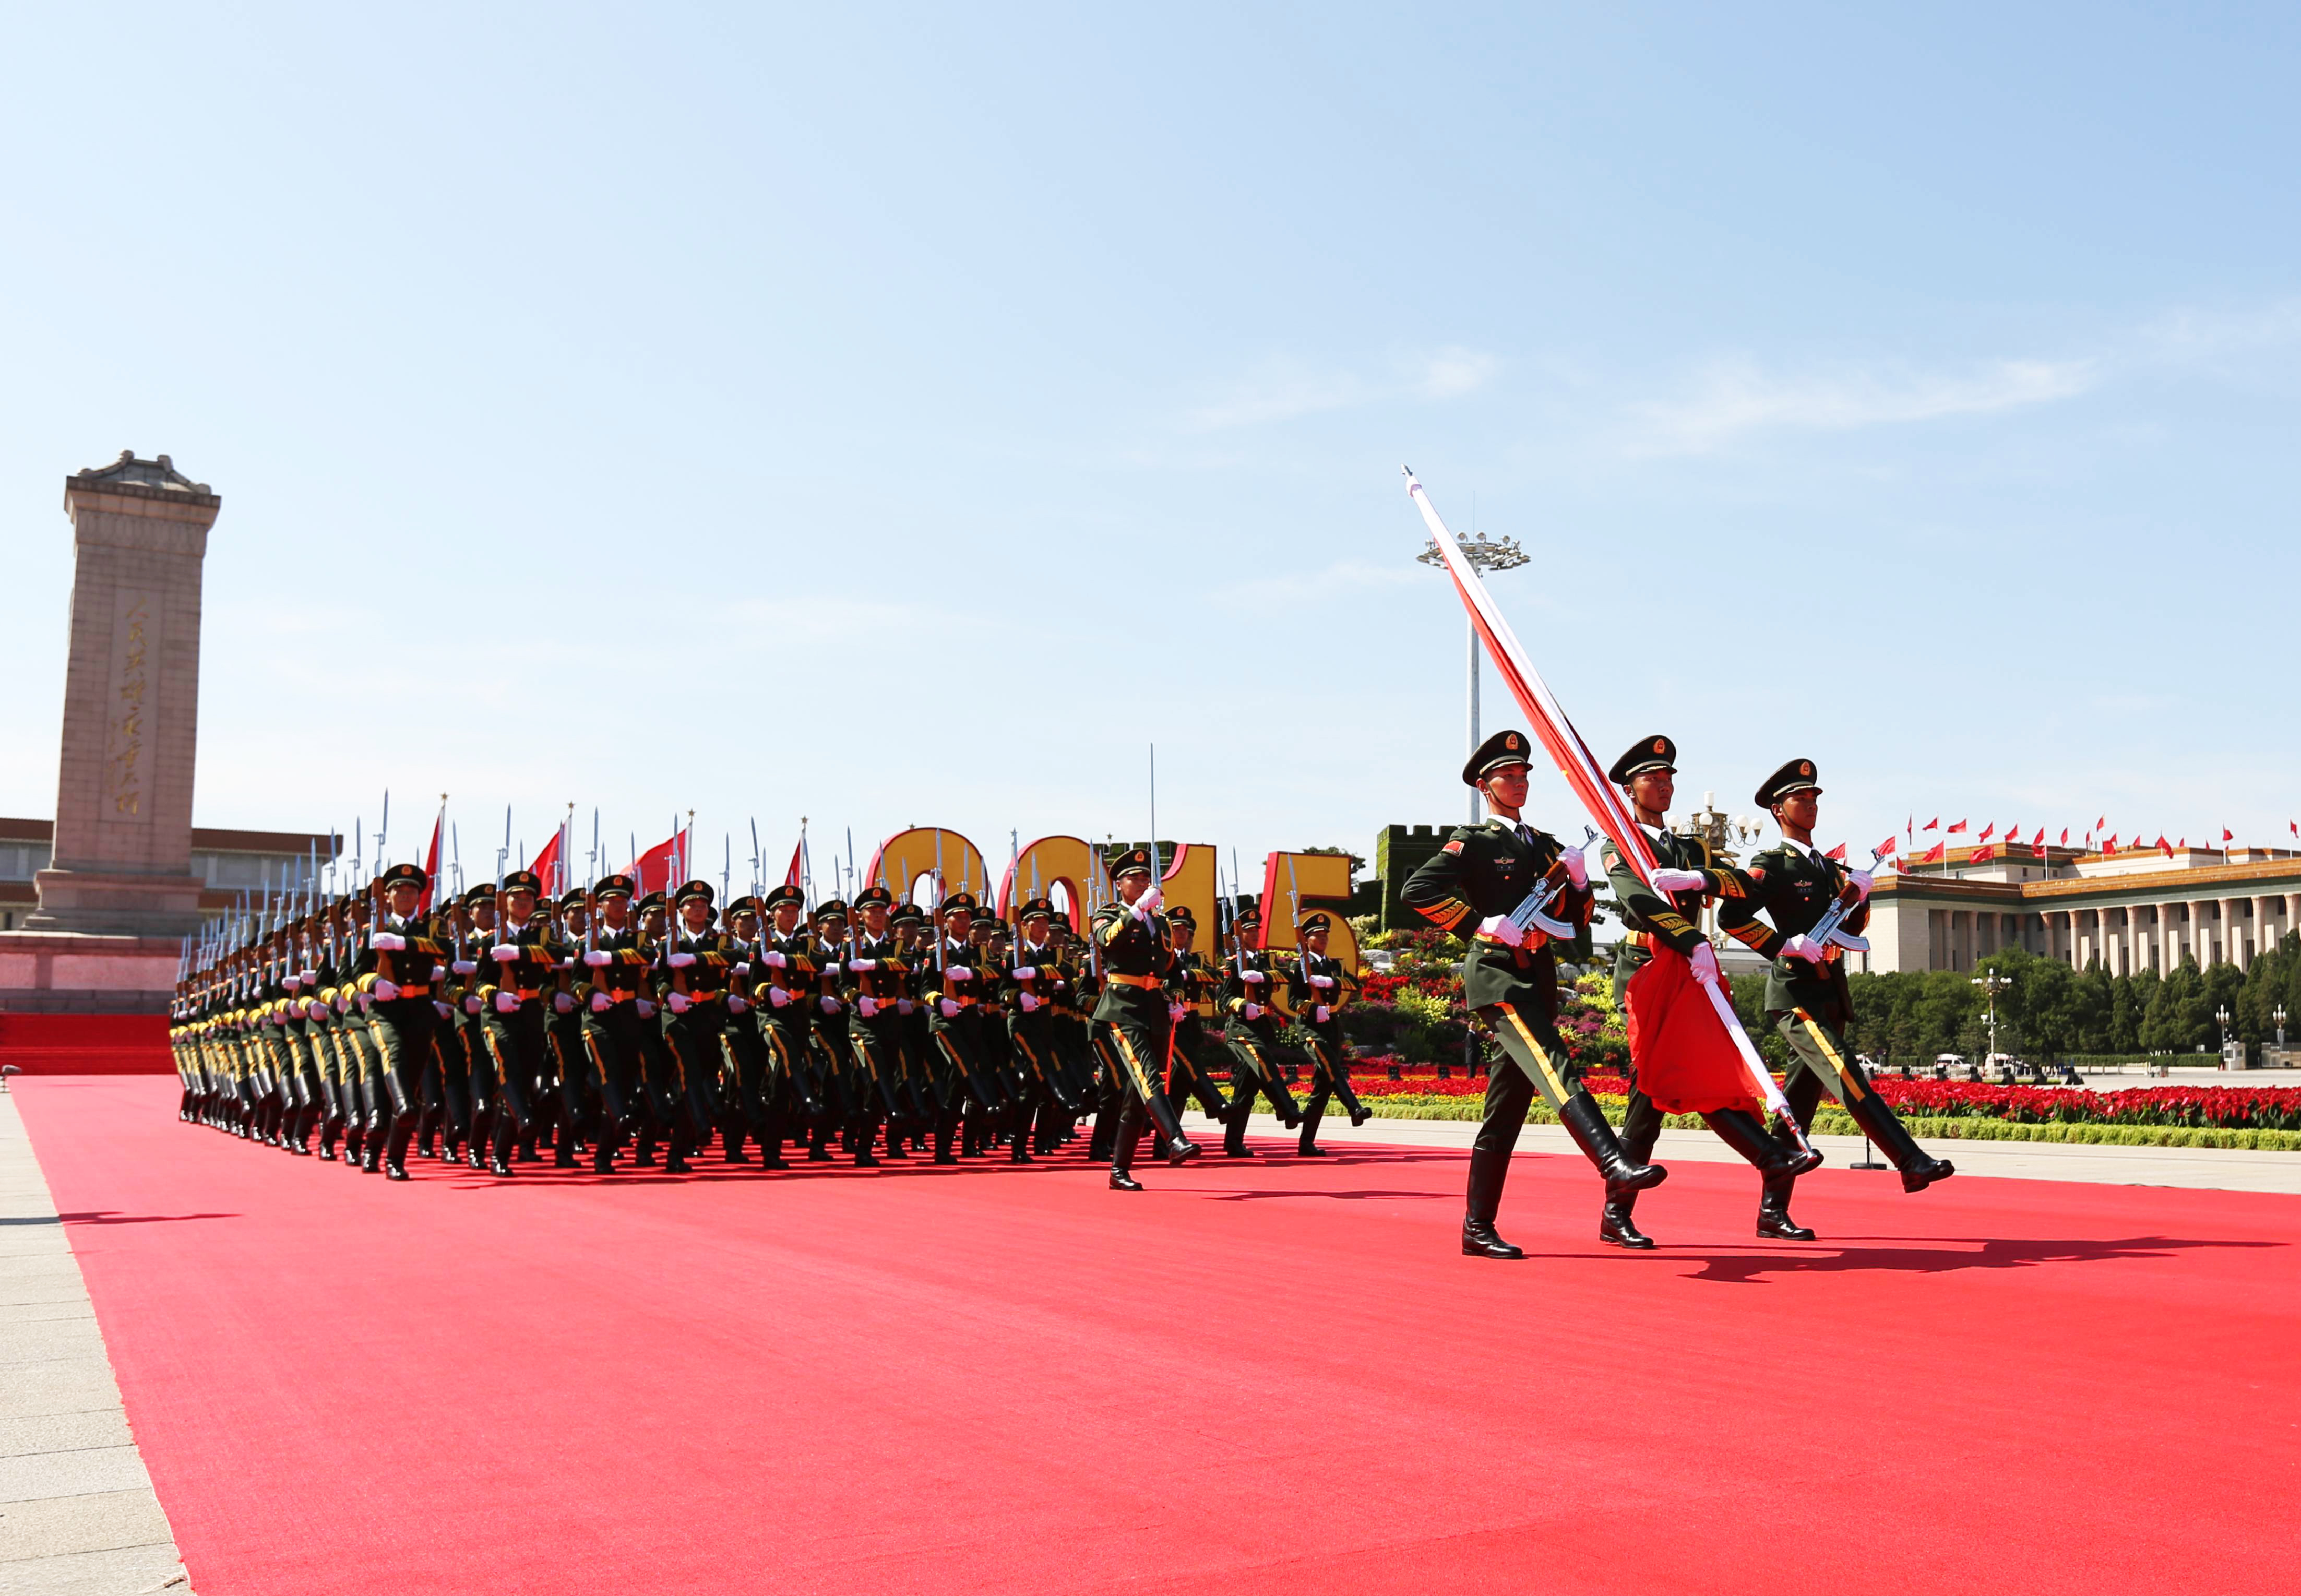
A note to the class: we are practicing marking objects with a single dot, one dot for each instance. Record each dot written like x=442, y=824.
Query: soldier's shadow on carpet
x=1820, y=1257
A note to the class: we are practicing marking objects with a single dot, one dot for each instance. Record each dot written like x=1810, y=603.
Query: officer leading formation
x=622, y=1029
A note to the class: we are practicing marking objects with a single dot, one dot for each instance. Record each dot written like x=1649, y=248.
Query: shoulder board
x=1454, y=846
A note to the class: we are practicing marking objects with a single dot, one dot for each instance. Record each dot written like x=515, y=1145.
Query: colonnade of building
x=2129, y=938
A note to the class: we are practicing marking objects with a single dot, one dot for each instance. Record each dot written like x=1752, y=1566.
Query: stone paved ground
x=77, y=1516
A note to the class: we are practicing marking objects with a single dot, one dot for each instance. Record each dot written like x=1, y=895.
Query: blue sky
x=901, y=416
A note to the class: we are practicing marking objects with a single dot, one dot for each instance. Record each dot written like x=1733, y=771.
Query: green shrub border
x=1836, y=1121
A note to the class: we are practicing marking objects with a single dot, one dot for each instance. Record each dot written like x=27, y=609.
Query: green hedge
x=1836, y=1121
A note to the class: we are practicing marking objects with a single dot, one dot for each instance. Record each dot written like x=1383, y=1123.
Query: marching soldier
x=1190, y=986
x=1032, y=983
x=1252, y=1030
x=1663, y=917
x=565, y=1025
x=878, y=981
x=1794, y=883
x=692, y=978
x=396, y=975
x=1131, y=938
x=1316, y=993
x=951, y=988
x=782, y=999
x=520, y=966
x=1472, y=888
x=616, y=1036
x=743, y=1107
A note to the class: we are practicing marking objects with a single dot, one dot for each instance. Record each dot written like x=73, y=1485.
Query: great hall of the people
x=2131, y=911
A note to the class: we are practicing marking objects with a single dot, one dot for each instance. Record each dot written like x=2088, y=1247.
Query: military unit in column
x=610, y=1028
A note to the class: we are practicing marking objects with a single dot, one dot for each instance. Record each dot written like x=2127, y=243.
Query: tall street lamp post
x=1485, y=554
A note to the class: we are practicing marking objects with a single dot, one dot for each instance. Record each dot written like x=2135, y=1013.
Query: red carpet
x=87, y=1044
x=1266, y=1376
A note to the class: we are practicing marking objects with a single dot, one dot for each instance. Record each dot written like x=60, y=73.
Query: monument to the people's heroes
x=119, y=891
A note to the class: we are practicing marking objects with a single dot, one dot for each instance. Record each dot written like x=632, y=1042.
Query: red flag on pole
x=546, y=863
x=1987, y=831
x=792, y=876
x=1983, y=854
x=2110, y=847
x=1837, y=853
x=431, y=862
x=2166, y=847
x=1891, y=844
x=652, y=869
x=1934, y=854
x=2101, y=823
x=1932, y=825
x=1958, y=827
x=2227, y=835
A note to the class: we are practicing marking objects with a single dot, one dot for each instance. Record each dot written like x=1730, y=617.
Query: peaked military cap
x=484, y=893
x=957, y=901
x=611, y=886
x=653, y=901
x=878, y=895
x=1314, y=921
x=1797, y=775
x=1036, y=907
x=831, y=908
x=1502, y=749
x=908, y=913
x=572, y=898
x=779, y=896
x=1248, y=915
x=693, y=891
x=523, y=880
x=1133, y=860
x=1648, y=753
x=1181, y=915
x=402, y=875
x=745, y=905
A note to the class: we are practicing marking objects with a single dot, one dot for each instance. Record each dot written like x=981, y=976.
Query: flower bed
x=2216, y=1107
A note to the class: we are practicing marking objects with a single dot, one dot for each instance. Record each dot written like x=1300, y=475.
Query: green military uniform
x=1133, y=942
x=396, y=975
x=1672, y=920
x=1794, y=884
x=514, y=971
x=953, y=990
x=1252, y=1030
x=1471, y=887
x=692, y=973
x=1317, y=986
x=1033, y=981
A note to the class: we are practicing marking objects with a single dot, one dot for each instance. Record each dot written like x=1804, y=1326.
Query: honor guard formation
x=608, y=1025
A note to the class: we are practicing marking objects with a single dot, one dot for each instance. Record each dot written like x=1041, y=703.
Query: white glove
x=1502, y=929
x=444, y=1010
x=737, y=1004
x=1704, y=960
x=904, y=1006
x=439, y=971
x=1805, y=948
x=507, y=1002
x=1322, y=981
x=367, y=1000
x=827, y=1003
x=343, y=1002
x=562, y=1002
x=1578, y=868
x=1029, y=1001
x=681, y=961
x=1176, y=1011
x=308, y=977
x=866, y=1005
x=601, y=1003
x=385, y=990
x=680, y=1002
x=949, y=1009
x=778, y=998
x=1678, y=881
x=1026, y=972
x=1253, y=1011
x=647, y=1008
x=861, y=966
x=774, y=960
x=462, y=966
x=390, y=942
x=597, y=956
x=1861, y=880
x=505, y=953
x=1254, y=977
x=472, y=1004
x=959, y=973
x=1321, y=1014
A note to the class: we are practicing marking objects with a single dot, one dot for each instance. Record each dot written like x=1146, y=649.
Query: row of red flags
x=656, y=870
x=1985, y=849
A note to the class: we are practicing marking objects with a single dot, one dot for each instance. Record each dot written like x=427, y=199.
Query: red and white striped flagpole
x=1580, y=768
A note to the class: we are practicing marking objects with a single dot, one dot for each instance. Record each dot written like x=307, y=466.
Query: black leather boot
x=1774, y=1221
x=1488, y=1170
x=1123, y=1143
x=1588, y=1126
x=1234, y=1128
x=1884, y=1127
x=1314, y=1112
x=1180, y=1149
x=1615, y=1225
x=1747, y=1134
